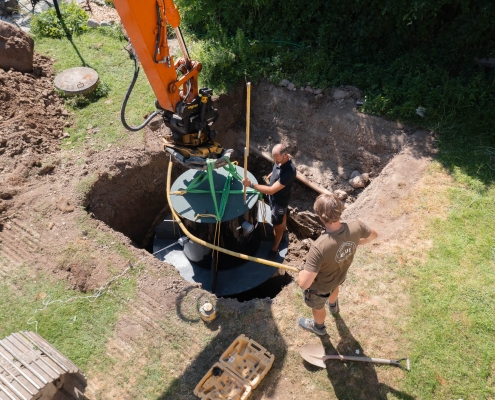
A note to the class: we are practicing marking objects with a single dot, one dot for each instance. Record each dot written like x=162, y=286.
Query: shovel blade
x=313, y=353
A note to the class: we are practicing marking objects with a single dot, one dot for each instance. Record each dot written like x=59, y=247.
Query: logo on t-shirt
x=346, y=250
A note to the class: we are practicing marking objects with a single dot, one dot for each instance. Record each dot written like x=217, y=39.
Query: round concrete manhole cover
x=77, y=80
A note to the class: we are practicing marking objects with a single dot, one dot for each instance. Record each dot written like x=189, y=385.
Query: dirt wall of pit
x=132, y=194
x=325, y=133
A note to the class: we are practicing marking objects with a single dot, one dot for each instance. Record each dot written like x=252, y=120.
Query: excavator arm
x=186, y=110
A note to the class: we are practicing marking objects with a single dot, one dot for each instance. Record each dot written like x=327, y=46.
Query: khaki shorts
x=315, y=300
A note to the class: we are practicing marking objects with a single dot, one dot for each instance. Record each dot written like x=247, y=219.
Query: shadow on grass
x=253, y=319
x=354, y=380
x=474, y=157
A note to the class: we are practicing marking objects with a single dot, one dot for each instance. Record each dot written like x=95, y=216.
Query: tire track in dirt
x=18, y=245
x=140, y=317
x=127, y=346
x=139, y=332
x=7, y=265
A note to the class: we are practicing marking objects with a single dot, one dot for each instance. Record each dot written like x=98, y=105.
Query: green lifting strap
x=208, y=175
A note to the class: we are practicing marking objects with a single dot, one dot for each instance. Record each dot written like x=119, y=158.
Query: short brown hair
x=328, y=207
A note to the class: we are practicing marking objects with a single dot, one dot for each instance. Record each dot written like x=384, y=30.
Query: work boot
x=309, y=325
x=333, y=308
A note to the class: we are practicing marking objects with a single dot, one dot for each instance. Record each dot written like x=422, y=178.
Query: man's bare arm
x=371, y=237
x=277, y=186
x=305, y=279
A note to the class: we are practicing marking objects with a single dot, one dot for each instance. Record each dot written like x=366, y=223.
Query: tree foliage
x=461, y=28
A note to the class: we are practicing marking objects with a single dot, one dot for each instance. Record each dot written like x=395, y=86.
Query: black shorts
x=278, y=213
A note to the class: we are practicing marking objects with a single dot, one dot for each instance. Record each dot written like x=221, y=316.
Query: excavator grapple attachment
x=187, y=110
x=195, y=157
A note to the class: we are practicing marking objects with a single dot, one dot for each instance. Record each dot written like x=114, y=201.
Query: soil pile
x=32, y=115
x=16, y=48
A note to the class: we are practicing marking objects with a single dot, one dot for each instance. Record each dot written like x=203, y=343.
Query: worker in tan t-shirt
x=328, y=260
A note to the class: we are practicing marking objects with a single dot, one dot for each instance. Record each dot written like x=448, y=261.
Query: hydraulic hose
x=211, y=246
x=126, y=98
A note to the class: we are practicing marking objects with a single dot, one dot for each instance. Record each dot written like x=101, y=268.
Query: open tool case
x=240, y=369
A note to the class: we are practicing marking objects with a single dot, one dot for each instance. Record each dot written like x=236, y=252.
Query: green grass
x=103, y=50
x=453, y=299
x=78, y=328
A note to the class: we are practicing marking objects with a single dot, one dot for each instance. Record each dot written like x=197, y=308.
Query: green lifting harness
x=208, y=174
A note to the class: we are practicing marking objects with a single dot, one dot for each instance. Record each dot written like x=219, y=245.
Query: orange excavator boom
x=185, y=109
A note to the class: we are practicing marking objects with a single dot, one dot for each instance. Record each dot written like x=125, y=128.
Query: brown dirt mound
x=16, y=48
x=32, y=115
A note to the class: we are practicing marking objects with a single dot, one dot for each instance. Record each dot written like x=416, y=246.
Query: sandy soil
x=46, y=192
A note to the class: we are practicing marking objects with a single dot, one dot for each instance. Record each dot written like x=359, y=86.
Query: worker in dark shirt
x=281, y=178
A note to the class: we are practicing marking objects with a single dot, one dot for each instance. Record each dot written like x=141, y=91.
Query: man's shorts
x=277, y=213
x=315, y=299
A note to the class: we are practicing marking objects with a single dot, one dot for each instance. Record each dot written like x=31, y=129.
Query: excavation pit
x=328, y=139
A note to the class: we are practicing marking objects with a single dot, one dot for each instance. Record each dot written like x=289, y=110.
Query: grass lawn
x=453, y=298
x=77, y=324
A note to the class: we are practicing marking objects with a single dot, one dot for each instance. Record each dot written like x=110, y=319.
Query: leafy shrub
x=47, y=24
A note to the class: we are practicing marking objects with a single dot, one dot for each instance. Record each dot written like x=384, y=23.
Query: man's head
x=279, y=154
x=328, y=207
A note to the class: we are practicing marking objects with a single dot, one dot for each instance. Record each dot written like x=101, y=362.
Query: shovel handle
x=369, y=359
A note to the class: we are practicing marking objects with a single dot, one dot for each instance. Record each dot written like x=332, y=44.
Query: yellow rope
x=204, y=215
x=173, y=215
x=263, y=214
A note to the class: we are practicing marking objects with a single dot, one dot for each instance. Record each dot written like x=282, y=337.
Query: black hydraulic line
x=126, y=98
x=186, y=56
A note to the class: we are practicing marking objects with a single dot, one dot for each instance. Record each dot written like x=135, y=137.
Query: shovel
x=315, y=354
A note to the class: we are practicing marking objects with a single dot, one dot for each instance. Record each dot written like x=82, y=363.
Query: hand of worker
x=246, y=182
